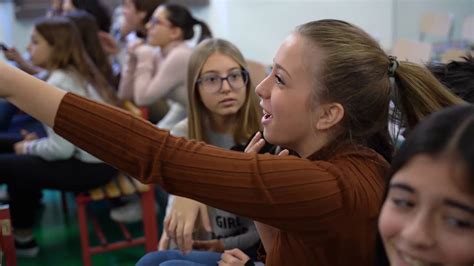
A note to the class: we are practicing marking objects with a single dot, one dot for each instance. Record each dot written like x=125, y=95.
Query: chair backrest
x=413, y=51
x=436, y=24
x=257, y=71
x=467, y=32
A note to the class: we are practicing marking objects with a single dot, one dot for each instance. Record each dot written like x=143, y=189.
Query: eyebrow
x=402, y=187
x=217, y=72
x=459, y=205
x=282, y=68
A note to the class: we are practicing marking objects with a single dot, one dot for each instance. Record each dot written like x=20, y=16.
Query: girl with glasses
x=327, y=99
x=223, y=111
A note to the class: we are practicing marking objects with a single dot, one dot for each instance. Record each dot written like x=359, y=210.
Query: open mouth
x=267, y=115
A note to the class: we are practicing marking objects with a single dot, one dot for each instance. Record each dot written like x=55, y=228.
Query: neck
x=222, y=124
x=165, y=49
x=307, y=148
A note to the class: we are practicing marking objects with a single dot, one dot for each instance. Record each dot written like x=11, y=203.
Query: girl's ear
x=176, y=33
x=329, y=115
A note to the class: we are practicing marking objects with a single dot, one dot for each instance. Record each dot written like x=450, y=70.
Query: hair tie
x=393, y=65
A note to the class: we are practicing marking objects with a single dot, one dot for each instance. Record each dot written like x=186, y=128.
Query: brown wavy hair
x=68, y=52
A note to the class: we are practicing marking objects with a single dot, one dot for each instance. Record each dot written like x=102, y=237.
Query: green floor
x=58, y=236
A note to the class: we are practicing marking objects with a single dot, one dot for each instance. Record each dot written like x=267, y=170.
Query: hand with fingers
x=181, y=222
x=20, y=147
x=234, y=257
x=258, y=142
x=28, y=135
x=12, y=54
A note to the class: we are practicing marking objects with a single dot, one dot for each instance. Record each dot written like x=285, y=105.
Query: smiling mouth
x=414, y=261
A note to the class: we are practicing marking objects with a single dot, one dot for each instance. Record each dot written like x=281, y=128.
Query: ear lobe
x=329, y=116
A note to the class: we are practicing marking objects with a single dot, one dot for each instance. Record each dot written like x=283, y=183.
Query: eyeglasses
x=212, y=82
x=156, y=21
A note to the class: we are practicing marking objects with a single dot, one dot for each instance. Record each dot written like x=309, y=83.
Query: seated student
x=223, y=112
x=151, y=75
x=428, y=214
x=458, y=76
x=89, y=31
x=17, y=127
x=53, y=162
x=143, y=81
x=327, y=99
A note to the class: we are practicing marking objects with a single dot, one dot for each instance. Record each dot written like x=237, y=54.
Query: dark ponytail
x=180, y=17
x=205, y=31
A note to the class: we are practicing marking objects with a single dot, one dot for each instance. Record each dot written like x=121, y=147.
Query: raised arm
x=30, y=94
x=250, y=185
x=286, y=192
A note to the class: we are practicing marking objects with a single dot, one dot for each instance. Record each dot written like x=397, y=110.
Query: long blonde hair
x=247, y=118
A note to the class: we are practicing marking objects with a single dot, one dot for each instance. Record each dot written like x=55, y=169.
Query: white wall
x=13, y=32
x=257, y=27
x=408, y=13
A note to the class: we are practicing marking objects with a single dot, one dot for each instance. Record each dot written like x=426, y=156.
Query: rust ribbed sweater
x=324, y=208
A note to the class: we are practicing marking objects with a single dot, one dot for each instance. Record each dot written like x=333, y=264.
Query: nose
x=420, y=231
x=263, y=89
x=148, y=25
x=225, y=87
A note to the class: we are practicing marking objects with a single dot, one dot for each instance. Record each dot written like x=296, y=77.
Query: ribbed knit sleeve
x=275, y=190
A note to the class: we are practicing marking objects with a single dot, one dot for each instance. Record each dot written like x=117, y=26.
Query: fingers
x=206, y=222
x=229, y=258
x=170, y=226
x=188, y=236
x=164, y=243
x=255, y=144
x=238, y=254
x=19, y=148
x=180, y=238
x=24, y=132
x=284, y=152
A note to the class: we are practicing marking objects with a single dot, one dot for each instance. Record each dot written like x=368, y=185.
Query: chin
x=269, y=138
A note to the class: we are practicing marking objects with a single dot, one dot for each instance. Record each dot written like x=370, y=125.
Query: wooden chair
x=413, y=51
x=436, y=24
x=121, y=186
x=7, y=242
